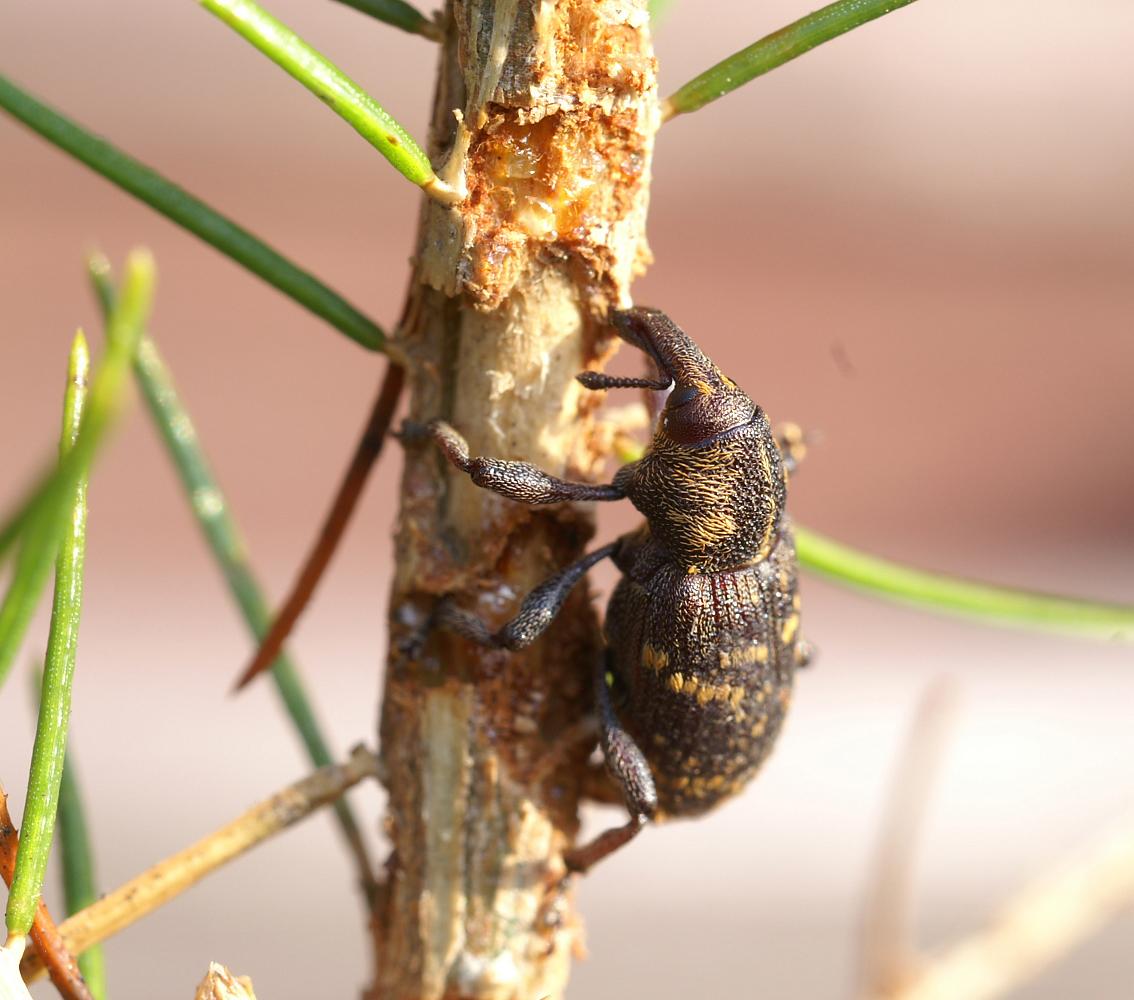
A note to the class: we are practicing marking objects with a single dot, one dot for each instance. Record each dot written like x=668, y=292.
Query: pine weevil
x=702, y=630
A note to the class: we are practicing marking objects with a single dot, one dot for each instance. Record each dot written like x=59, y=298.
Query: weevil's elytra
x=702, y=630
x=703, y=666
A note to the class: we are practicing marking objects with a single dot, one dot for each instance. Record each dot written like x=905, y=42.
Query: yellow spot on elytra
x=654, y=658
x=675, y=681
x=754, y=652
x=691, y=685
x=790, y=627
x=758, y=729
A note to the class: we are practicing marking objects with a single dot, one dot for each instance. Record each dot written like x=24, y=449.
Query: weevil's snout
x=704, y=402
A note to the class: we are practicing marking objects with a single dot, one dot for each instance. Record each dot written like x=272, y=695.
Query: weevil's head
x=704, y=403
x=711, y=484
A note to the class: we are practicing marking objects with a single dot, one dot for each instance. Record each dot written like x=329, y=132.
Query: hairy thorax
x=715, y=507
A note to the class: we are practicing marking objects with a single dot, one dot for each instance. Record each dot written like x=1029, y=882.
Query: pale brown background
x=918, y=241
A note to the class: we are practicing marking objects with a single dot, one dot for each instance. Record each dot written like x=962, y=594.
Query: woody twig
x=171, y=877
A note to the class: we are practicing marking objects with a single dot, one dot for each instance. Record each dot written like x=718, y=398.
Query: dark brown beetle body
x=703, y=628
x=702, y=667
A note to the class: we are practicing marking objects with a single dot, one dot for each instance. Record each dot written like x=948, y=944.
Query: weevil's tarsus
x=580, y=860
x=346, y=499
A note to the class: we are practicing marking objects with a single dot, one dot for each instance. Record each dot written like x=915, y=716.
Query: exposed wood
x=545, y=115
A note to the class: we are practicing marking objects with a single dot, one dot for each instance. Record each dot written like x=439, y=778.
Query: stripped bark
x=545, y=116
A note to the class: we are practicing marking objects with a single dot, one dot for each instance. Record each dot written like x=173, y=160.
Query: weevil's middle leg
x=628, y=765
x=536, y=613
x=792, y=442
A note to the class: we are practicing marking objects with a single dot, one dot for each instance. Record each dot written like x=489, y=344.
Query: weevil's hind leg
x=366, y=453
x=536, y=613
x=628, y=765
x=520, y=481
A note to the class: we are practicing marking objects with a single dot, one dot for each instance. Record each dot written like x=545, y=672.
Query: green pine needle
x=967, y=598
x=224, y=538
x=192, y=214
x=80, y=887
x=50, y=499
x=327, y=82
x=399, y=14
x=774, y=50
x=37, y=552
x=50, y=747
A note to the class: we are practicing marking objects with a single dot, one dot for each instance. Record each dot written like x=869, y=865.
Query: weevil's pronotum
x=702, y=630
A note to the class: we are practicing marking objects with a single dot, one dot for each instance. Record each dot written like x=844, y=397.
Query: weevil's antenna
x=365, y=455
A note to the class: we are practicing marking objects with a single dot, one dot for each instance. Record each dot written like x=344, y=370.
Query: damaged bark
x=544, y=121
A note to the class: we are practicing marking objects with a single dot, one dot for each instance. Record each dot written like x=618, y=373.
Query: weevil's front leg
x=536, y=613
x=628, y=765
x=520, y=481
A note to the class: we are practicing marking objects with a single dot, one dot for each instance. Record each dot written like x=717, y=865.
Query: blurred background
x=917, y=241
